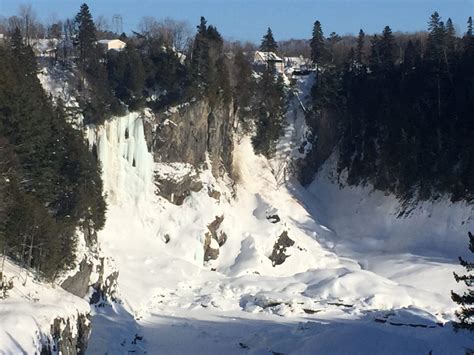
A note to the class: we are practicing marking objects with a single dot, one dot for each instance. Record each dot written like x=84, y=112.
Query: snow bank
x=370, y=219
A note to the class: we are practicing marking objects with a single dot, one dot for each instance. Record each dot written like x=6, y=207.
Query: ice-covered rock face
x=127, y=165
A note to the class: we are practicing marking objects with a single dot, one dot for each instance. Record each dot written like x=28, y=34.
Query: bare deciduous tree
x=179, y=33
x=29, y=25
x=172, y=33
x=102, y=24
x=13, y=23
x=148, y=26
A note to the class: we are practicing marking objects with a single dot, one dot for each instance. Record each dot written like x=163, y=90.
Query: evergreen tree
x=466, y=301
x=411, y=57
x=244, y=88
x=200, y=58
x=317, y=44
x=208, y=69
x=374, y=57
x=96, y=99
x=268, y=42
x=23, y=53
x=450, y=37
x=7, y=169
x=126, y=76
x=134, y=74
x=469, y=36
x=270, y=109
x=436, y=38
x=403, y=126
x=53, y=184
x=386, y=49
x=85, y=37
x=360, y=47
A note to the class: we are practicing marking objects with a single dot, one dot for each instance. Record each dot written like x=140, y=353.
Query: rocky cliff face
x=186, y=133
x=193, y=133
x=189, y=135
x=185, y=139
x=68, y=337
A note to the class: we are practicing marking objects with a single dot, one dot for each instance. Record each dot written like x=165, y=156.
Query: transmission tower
x=117, y=24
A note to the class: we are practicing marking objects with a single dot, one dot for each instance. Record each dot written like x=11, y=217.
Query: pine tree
x=450, y=37
x=208, y=69
x=270, y=109
x=134, y=75
x=268, y=42
x=466, y=300
x=200, y=59
x=96, y=100
x=374, y=57
x=468, y=39
x=85, y=37
x=7, y=172
x=317, y=44
x=244, y=88
x=53, y=182
x=411, y=57
x=24, y=54
x=360, y=47
x=386, y=48
x=202, y=27
x=436, y=38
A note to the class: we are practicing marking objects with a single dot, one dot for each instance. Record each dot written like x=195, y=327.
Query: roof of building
x=267, y=57
x=107, y=41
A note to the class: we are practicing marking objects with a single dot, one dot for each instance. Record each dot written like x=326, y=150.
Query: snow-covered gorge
x=252, y=264
x=324, y=292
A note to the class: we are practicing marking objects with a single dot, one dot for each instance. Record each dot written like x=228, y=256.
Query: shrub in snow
x=466, y=300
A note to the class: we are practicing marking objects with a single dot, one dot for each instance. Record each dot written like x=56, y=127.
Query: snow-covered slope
x=321, y=299
x=30, y=311
x=372, y=220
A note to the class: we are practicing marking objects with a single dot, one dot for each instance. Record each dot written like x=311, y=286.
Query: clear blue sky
x=248, y=19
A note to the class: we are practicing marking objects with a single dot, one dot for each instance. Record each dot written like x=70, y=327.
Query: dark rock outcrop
x=210, y=253
x=105, y=288
x=220, y=237
x=65, y=341
x=274, y=218
x=279, y=255
x=176, y=190
x=79, y=283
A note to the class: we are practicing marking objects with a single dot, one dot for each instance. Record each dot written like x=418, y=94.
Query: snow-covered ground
x=29, y=311
x=346, y=287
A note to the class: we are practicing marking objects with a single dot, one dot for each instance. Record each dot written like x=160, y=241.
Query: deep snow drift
x=340, y=290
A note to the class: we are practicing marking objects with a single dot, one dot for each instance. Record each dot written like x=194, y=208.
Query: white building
x=266, y=58
x=109, y=44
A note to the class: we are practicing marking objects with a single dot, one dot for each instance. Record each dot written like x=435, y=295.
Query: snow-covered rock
x=36, y=317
